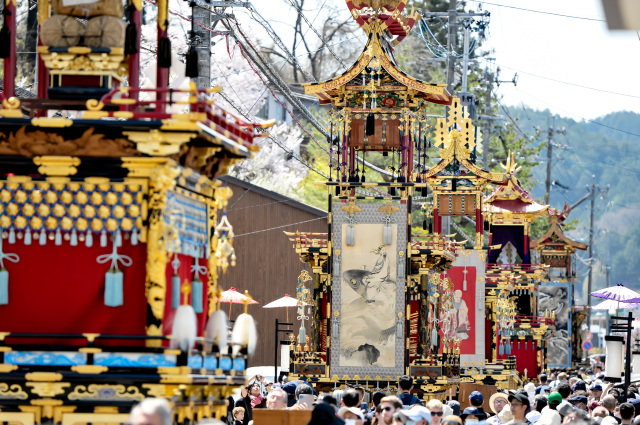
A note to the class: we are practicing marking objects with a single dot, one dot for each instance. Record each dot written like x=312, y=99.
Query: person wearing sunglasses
x=388, y=406
x=436, y=409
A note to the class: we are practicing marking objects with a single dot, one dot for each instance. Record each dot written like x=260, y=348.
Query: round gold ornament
x=104, y=187
x=126, y=198
x=44, y=210
x=51, y=197
x=5, y=196
x=5, y=221
x=66, y=223
x=27, y=209
x=82, y=224
x=89, y=187
x=35, y=196
x=73, y=210
x=111, y=198
x=134, y=210
x=104, y=211
x=20, y=222
x=112, y=224
x=126, y=224
x=74, y=187
x=20, y=196
x=51, y=223
x=118, y=187
x=66, y=197
x=89, y=211
x=118, y=211
x=82, y=198
x=59, y=187
x=96, y=224
x=96, y=198
x=13, y=209
x=35, y=223
x=58, y=210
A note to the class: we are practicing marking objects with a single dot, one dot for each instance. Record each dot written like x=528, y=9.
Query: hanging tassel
x=175, y=291
x=430, y=227
x=185, y=328
x=113, y=296
x=509, y=347
x=386, y=234
x=118, y=240
x=12, y=236
x=4, y=287
x=131, y=39
x=525, y=344
x=336, y=266
x=424, y=224
x=217, y=330
x=58, y=238
x=244, y=333
x=164, y=53
x=134, y=237
x=434, y=336
x=400, y=270
x=196, y=295
x=74, y=238
x=43, y=237
x=392, y=191
x=88, y=241
x=103, y=238
x=27, y=237
x=501, y=350
x=454, y=184
x=370, y=125
x=191, y=66
x=5, y=38
x=351, y=235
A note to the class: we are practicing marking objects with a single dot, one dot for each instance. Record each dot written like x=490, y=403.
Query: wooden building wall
x=267, y=264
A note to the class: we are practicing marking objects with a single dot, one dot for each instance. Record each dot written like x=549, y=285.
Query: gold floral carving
x=48, y=389
x=13, y=392
x=351, y=208
x=388, y=208
x=161, y=181
x=106, y=392
x=39, y=142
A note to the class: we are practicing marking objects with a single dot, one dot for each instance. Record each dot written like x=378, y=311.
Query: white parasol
x=286, y=302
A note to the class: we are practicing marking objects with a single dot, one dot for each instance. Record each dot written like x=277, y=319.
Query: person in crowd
x=351, y=415
x=290, y=389
x=476, y=399
x=361, y=392
x=388, y=406
x=251, y=399
x=599, y=412
x=579, y=402
x=455, y=406
x=330, y=400
x=350, y=398
x=539, y=403
x=543, y=380
x=609, y=402
x=338, y=396
x=436, y=409
x=151, y=411
x=518, y=405
x=595, y=392
x=238, y=415
x=375, y=400
x=452, y=420
x=277, y=399
x=324, y=414
x=627, y=412
x=473, y=415
x=496, y=403
x=405, y=385
x=553, y=401
x=301, y=389
x=564, y=389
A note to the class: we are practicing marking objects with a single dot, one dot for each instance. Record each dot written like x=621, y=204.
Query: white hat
x=530, y=387
x=418, y=413
x=353, y=410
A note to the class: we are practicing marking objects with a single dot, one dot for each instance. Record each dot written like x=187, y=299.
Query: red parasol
x=232, y=296
x=285, y=301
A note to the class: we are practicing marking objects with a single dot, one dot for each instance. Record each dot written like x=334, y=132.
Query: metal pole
x=590, y=282
x=451, y=44
x=549, y=148
x=465, y=62
x=275, y=362
x=627, y=362
x=487, y=124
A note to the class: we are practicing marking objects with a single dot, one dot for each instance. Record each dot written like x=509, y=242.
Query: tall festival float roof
x=381, y=300
x=518, y=326
x=113, y=227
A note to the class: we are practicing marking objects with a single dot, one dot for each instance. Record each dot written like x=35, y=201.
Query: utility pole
x=592, y=193
x=551, y=131
x=451, y=44
x=487, y=124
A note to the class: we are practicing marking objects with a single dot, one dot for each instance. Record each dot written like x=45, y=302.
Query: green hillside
x=605, y=150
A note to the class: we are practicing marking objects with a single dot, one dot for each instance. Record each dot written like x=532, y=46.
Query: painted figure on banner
x=461, y=313
x=368, y=299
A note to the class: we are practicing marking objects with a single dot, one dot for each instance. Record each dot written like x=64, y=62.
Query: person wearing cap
x=473, y=415
x=518, y=405
x=455, y=406
x=452, y=420
x=351, y=415
x=579, y=402
x=595, y=392
x=496, y=404
x=476, y=399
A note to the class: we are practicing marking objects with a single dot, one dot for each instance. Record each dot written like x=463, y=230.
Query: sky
x=541, y=48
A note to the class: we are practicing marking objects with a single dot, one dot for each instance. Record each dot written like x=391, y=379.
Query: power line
x=572, y=84
x=280, y=227
x=542, y=12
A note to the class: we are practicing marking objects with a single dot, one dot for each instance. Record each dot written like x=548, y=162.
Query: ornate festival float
x=113, y=228
x=384, y=300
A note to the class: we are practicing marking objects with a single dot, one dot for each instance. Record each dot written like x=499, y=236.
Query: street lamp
x=614, y=343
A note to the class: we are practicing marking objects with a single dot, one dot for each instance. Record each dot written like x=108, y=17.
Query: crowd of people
x=582, y=397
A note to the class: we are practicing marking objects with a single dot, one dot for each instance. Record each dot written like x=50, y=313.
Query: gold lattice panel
x=78, y=206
